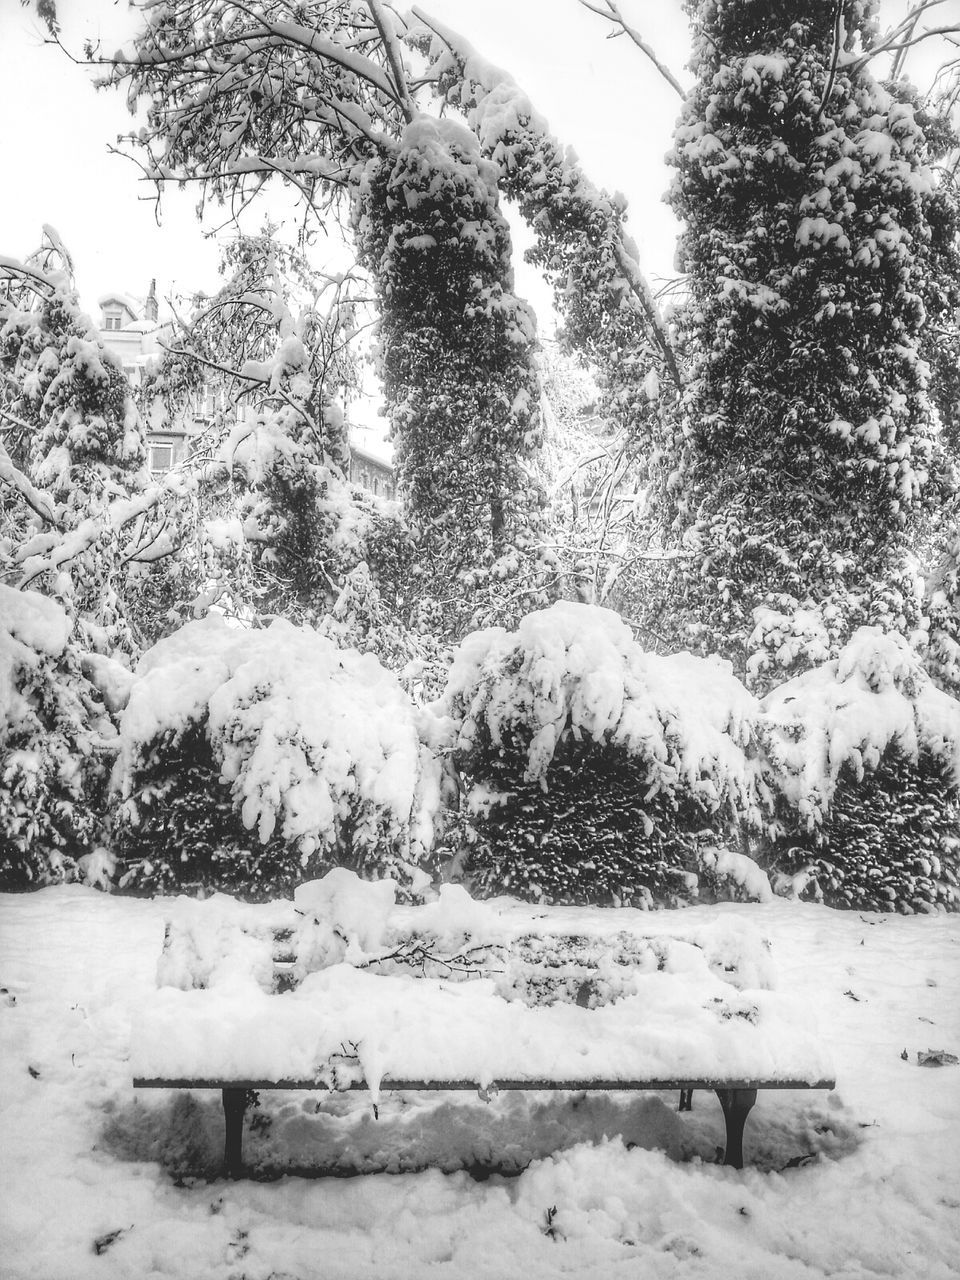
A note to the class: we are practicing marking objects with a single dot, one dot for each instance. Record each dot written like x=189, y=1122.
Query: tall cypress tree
x=813, y=223
x=460, y=383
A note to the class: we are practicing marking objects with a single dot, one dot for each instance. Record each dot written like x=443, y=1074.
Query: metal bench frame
x=736, y=1098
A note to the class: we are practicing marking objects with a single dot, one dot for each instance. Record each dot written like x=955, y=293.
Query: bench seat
x=516, y=999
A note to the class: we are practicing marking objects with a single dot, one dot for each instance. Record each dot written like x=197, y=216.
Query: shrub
x=888, y=841
x=863, y=754
x=593, y=771
x=584, y=833
x=253, y=759
x=179, y=831
x=51, y=777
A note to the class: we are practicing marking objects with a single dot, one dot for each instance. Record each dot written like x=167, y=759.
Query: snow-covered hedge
x=594, y=771
x=251, y=759
x=863, y=753
x=51, y=717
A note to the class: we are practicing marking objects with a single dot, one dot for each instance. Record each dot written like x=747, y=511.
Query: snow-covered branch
x=388, y=35
x=39, y=502
x=582, y=243
x=13, y=269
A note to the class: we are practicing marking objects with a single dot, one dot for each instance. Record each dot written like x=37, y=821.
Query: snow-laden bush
x=51, y=778
x=942, y=607
x=253, y=759
x=592, y=770
x=864, y=755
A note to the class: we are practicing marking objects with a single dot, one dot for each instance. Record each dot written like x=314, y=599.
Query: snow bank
x=874, y=695
x=871, y=1182
x=307, y=735
x=576, y=669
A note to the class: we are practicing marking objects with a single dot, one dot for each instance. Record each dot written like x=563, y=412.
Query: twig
x=612, y=14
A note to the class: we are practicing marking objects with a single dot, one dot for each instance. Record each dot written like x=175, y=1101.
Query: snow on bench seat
x=344, y=1025
x=347, y=990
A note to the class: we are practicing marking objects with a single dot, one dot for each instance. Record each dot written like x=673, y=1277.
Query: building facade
x=131, y=329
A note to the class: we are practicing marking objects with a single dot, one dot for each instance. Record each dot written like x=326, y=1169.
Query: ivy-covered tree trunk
x=812, y=224
x=456, y=355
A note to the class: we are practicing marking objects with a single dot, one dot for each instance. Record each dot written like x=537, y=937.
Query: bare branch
x=611, y=12
x=834, y=56
x=905, y=36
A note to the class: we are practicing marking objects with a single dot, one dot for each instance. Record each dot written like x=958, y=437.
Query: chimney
x=150, y=306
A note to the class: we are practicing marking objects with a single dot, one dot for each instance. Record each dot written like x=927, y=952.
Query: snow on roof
x=367, y=442
x=132, y=304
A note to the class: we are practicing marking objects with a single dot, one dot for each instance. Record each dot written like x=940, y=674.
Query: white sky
x=600, y=96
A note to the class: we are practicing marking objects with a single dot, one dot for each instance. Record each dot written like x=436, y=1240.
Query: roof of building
x=127, y=300
x=370, y=443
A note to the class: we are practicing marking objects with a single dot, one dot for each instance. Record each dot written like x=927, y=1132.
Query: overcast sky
x=599, y=95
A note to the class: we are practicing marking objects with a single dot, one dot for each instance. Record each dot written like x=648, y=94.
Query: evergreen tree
x=460, y=382
x=53, y=725
x=82, y=522
x=610, y=316
x=813, y=224
x=942, y=610
x=318, y=94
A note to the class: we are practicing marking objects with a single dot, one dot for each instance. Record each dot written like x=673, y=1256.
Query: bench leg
x=234, y=1108
x=736, y=1105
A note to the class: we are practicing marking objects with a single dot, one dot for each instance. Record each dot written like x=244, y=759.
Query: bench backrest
x=538, y=956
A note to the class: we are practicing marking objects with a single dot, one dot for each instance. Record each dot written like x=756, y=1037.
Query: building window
x=113, y=318
x=161, y=456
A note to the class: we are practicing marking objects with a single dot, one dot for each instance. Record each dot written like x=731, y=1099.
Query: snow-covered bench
x=347, y=990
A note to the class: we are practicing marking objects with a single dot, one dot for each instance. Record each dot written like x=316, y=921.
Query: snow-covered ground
x=82, y=1157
